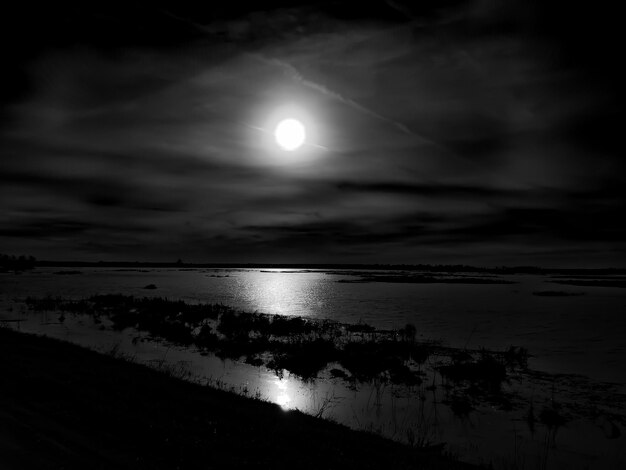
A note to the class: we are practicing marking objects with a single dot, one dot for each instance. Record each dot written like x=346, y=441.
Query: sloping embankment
x=62, y=406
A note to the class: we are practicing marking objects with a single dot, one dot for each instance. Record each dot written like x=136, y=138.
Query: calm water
x=579, y=334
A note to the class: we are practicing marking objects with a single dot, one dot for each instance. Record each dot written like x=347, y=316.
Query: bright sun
x=290, y=134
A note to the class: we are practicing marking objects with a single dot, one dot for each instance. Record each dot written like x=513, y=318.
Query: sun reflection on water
x=282, y=397
x=273, y=291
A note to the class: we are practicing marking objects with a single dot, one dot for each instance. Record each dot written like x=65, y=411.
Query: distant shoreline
x=438, y=268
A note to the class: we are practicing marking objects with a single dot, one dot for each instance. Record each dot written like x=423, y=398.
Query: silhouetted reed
x=302, y=346
x=304, y=358
x=368, y=360
x=487, y=371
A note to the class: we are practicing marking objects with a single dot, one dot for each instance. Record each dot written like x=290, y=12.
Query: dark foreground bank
x=63, y=406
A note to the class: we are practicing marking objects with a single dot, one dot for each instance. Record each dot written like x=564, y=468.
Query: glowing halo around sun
x=286, y=135
x=290, y=134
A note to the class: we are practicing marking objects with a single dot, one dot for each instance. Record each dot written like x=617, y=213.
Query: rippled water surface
x=581, y=334
x=577, y=334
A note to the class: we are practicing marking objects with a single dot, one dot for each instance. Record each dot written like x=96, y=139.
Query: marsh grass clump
x=386, y=358
x=242, y=345
x=290, y=326
x=360, y=328
x=551, y=417
x=261, y=324
x=336, y=373
x=175, y=331
x=302, y=346
x=157, y=308
x=460, y=405
x=330, y=329
x=516, y=357
x=304, y=358
x=408, y=333
x=255, y=360
x=241, y=323
x=171, y=320
x=206, y=339
x=421, y=352
x=368, y=360
x=403, y=374
x=486, y=371
x=228, y=350
x=235, y=325
x=477, y=377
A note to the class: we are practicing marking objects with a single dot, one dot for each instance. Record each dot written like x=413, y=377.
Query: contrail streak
x=324, y=90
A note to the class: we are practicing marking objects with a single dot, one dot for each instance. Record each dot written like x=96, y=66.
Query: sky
x=479, y=132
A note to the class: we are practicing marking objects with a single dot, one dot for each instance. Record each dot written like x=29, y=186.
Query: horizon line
x=405, y=266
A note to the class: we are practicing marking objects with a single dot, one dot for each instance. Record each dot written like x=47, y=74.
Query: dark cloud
x=475, y=129
x=434, y=190
x=45, y=229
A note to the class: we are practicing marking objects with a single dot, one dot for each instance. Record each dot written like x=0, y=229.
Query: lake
x=566, y=334
x=581, y=334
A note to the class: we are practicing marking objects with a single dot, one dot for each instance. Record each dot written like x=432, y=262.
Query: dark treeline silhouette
x=16, y=263
x=438, y=268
